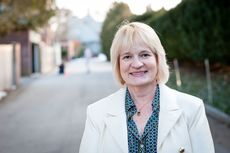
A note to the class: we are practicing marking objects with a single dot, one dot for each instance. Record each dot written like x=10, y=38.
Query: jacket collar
x=169, y=113
x=116, y=117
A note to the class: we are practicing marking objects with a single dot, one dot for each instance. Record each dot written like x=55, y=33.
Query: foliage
x=195, y=30
x=16, y=15
x=117, y=13
x=148, y=16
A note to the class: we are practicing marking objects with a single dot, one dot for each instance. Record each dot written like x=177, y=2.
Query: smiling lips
x=138, y=74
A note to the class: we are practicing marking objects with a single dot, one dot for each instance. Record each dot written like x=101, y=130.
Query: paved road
x=47, y=114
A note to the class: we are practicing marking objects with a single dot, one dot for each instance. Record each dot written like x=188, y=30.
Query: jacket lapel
x=116, y=120
x=116, y=117
x=169, y=113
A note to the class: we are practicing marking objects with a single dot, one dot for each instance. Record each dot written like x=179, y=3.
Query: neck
x=141, y=95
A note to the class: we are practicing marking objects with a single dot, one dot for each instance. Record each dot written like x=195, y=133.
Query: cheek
x=123, y=67
x=153, y=66
x=154, y=62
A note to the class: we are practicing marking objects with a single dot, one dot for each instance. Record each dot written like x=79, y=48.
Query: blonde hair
x=133, y=33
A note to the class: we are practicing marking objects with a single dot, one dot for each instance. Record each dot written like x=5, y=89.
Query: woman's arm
x=200, y=135
x=89, y=142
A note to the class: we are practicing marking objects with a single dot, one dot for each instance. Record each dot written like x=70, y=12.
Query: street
x=48, y=114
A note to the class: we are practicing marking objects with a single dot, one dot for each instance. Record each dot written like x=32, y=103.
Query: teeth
x=138, y=73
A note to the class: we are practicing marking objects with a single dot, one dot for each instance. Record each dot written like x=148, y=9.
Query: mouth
x=138, y=73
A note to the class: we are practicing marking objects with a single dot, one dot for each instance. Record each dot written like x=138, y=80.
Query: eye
x=126, y=57
x=145, y=55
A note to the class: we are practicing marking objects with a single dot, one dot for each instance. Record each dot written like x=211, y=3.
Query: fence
x=210, y=85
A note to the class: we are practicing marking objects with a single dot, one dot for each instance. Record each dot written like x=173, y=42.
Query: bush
x=195, y=30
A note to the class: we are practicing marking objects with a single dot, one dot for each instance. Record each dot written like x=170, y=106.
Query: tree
x=149, y=16
x=17, y=15
x=114, y=17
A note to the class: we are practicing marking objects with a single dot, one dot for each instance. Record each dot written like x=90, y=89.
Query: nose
x=137, y=63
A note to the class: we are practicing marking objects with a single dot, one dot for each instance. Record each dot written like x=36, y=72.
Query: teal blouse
x=147, y=142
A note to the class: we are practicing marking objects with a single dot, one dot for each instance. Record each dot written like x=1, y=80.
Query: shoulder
x=188, y=101
x=106, y=101
x=191, y=106
x=182, y=99
x=107, y=104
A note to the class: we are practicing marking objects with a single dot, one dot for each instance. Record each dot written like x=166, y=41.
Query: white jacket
x=182, y=124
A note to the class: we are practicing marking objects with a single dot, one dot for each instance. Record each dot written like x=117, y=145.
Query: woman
x=144, y=115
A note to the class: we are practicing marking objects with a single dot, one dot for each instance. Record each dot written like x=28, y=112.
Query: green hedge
x=193, y=31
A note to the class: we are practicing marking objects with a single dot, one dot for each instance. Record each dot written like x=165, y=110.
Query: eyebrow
x=142, y=51
x=125, y=53
x=146, y=51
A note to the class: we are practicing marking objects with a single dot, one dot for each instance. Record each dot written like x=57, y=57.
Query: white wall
x=6, y=66
x=47, y=58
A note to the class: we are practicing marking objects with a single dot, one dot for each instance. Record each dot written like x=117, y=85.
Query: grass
x=194, y=82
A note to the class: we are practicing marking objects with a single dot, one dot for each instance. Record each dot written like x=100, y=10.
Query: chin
x=136, y=83
x=139, y=82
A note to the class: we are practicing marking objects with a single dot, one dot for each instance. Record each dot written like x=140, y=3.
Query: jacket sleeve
x=89, y=142
x=200, y=134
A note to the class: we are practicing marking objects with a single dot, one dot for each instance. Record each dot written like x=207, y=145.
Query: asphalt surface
x=47, y=113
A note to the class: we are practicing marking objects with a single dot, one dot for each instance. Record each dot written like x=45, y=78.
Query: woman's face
x=138, y=66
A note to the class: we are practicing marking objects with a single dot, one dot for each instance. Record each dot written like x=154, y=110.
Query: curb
x=217, y=114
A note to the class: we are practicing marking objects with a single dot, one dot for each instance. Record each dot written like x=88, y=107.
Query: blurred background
x=54, y=61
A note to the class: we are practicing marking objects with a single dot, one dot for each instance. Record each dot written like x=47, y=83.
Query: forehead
x=135, y=48
x=133, y=42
